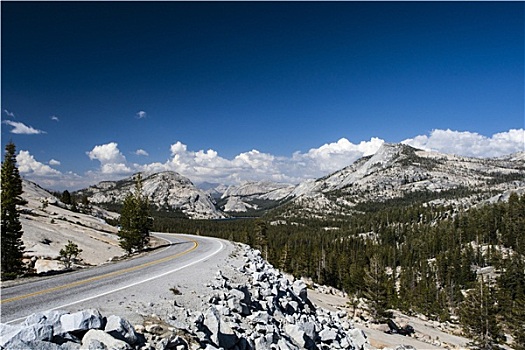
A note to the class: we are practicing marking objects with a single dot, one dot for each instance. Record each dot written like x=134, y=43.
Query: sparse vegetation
x=69, y=253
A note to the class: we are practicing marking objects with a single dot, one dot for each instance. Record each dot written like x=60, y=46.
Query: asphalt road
x=97, y=286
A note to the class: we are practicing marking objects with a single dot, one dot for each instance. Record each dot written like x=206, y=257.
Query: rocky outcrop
x=168, y=191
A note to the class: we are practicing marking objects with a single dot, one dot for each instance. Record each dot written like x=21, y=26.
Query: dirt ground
x=425, y=330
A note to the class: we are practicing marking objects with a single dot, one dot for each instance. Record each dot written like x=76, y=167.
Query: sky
x=227, y=92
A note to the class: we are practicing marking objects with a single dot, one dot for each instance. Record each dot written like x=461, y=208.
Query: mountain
x=254, y=196
x=398, y=172
x=167, y=191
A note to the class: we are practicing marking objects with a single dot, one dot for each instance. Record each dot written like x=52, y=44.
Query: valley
x=403, y=230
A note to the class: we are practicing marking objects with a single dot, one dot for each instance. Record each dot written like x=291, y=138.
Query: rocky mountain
x=396, y=172
x=400, y=172
x=168, y=191
x=254, y=196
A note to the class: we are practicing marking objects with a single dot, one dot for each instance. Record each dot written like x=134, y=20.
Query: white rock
x=44, y=266
x=120, y=328
x=21, y=333
x=81, y=321
x=96, y=335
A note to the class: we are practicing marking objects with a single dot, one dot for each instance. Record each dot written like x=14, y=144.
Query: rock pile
x=264, y=311
x=268, y=312
x=60, y=330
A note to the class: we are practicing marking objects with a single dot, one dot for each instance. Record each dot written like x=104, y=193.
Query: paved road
x=91, y=286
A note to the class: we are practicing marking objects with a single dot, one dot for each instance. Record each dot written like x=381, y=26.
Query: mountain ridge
x=394, y=171
x=167, y=191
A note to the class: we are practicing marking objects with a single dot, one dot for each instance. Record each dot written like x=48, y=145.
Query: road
x=108, y=285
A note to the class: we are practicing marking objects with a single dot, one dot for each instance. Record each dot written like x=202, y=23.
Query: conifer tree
x=135, y=220
x=261, y=238
x=376, y=289
x=12, y=245
x=66, y=197
x=478, y=316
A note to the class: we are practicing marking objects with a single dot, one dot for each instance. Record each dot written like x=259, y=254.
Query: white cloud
x=141, y=152
x=201, y=166
x=471, y=144
x=54, y=118
x=9, y=114
x=210, y=166
x=141, y=114
x=28, y=165
x=334, y=156
x=112, y=161
x=21, y=128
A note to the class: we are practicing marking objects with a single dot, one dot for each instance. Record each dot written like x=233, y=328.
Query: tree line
x=416, y=258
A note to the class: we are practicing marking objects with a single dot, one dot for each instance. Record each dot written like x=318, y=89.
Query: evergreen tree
x=69, y=253
x=262, y=238
x=12, y=245
x=478, y=316
x=135, y=220
x=376, y=290
x=66, y=197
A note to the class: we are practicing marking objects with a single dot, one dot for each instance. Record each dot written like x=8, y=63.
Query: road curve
x=93, y=286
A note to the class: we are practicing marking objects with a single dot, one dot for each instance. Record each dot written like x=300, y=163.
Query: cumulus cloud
x=28, y=165
x=337, y=155
x=112, y=161
x=141, y=114
x=209, y=166
x=471, y=144
x=141, y=152
x=47, y=177
x=9, y=114
x=201, y=166
x=22, y=129
x=54, y=118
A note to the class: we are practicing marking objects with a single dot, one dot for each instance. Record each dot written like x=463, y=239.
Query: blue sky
x=234, y=91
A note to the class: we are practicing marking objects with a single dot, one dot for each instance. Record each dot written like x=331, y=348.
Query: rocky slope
x=48, y=224
x=399, y=171
x=168, y=191
x=254, y=196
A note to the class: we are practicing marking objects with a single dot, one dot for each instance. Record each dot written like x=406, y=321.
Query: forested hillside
x=433, y=260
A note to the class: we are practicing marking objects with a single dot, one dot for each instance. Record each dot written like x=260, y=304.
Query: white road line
x=132, y=284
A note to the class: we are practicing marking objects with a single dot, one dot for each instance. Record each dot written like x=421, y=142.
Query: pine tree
x=478, y=316
x=66, y=197
x=376, y=290
x=12, y=245
x=135, y=220
x=69, y=253
x=261, y=238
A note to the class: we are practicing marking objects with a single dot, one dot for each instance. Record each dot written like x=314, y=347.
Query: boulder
x=81, y=321
x=24, y=333
x=121, y=329
x=300, y=289
x=328, y=335
x=358, y=337
x=46, y=266
x=220, y=332
x=296, y=334
x=33, y=344
x=97, y=337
